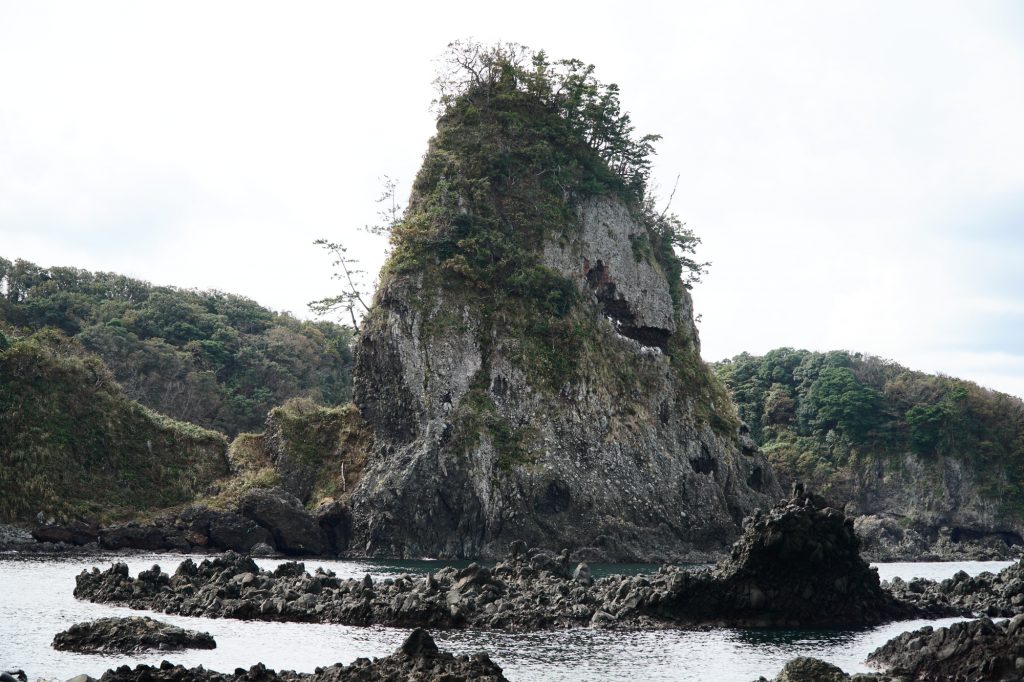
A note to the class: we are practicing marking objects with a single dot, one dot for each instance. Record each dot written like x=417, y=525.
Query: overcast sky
x=856, y=170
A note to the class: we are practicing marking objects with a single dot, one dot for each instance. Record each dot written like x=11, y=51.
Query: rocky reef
x=994, y=595
x=797, y=565
x=129, y=635
x=971, y=650
x=417, y=660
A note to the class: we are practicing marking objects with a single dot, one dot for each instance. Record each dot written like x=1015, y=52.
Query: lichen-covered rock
x=417, y=660
x=129, y=635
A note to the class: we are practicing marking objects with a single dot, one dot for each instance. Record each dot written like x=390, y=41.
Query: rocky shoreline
x=976, y=651
x=795, y=566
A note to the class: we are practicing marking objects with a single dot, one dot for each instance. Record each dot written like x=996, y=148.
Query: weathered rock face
x=632, y=291
x=619, y=461
x=129, y=635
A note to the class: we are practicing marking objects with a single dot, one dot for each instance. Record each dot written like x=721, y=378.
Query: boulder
x=293, y=529
x=73, y=533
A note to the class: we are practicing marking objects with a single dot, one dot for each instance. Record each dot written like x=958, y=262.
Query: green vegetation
x=214, y=359
x=326, y=445
x=827, y=417
x=74, y=445
x=520, y=142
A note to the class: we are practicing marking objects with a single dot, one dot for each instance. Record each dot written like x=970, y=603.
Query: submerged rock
x=418, y=660
x=129, y=635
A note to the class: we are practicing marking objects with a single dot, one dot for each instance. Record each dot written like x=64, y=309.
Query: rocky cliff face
x=530, y=367
x=473, y=453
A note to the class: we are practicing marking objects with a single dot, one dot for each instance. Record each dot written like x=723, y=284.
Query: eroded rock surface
x=130, y=635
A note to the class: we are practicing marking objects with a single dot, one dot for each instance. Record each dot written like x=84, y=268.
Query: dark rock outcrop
x=994, y=595
x=977, y=650
x=795, y=566
x=72, y=533
x=129, y=635
x=294, y=530
x=804, y=669
x=418, y=660
x=886, y=538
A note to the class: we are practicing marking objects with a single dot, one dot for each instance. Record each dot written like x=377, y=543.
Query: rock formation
x=797, y=566
x=977, y=650
x=530, y=366
x=129, y=635
x=417, y=660
x=999, y=595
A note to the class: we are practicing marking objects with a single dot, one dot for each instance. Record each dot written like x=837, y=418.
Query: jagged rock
x=417, y=660
x=294, y=530
x=995, y=595
x=978, y=650
x=795, y=566
x=13, y=676
x=129, y=635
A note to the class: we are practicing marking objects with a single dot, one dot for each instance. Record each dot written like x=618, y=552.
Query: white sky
x=855, y=169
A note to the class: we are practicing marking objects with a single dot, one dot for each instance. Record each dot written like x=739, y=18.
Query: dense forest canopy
x=210, y=358
x=818, y=414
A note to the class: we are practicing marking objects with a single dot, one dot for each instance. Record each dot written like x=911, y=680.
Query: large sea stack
x=530, y=365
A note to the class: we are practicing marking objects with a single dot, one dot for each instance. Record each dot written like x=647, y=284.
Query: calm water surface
x=36, y=598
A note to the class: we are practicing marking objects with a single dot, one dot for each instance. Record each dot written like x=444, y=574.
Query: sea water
x=36, y=603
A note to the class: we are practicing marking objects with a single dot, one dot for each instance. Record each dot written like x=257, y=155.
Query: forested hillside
x=844, y=422
x=210, y=358
x=74, y=446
